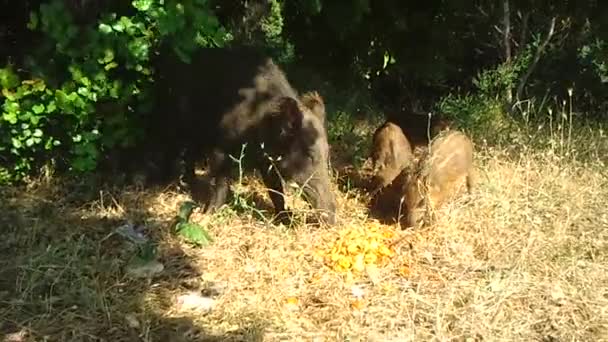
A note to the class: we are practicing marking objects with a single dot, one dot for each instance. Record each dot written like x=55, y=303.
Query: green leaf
x=39, y=85
x=16, y=143
x=139, y=48
x=125, y=22
x=142, y=5
x=185, y=210
x=38, y=109
x=37, y=133
x=8, y=79
x=118, y=27
x=104, y=28
x=29, y=142
x=50, y=143
x=72, y=97
x=108, y=56
x=83, y=91
x=8, y=94
x=110, y=66
x=10, y=117
x=194, y=233
x=85, y=81
x=51, y=107
x=33, y=23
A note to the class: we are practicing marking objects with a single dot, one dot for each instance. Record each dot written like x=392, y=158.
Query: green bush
x=482, y=113
x=477, y=114
x=52, y=113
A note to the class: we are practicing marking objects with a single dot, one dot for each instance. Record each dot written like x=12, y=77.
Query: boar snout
x=318, y=193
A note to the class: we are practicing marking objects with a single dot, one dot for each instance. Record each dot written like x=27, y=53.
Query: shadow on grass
x=62, y=271
x=385, y=206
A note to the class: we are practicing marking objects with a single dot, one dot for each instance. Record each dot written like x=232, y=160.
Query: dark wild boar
x=439, y=175
x=391, y=153
x=228, y=97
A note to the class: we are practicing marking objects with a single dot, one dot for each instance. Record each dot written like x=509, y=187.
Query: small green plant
x=192, y=232
x=241, y=200
x=272, y=26
x=595, y=56
x=342, y=132
x=498, y=81
x=478, y=114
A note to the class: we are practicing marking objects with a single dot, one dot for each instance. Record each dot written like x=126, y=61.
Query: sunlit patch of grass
x=522, y=258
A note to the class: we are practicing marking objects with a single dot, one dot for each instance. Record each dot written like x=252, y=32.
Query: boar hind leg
x=471, y=181
x=219, y=168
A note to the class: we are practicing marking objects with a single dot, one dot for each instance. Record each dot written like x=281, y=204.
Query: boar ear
x=291, y=115
x=313, y=101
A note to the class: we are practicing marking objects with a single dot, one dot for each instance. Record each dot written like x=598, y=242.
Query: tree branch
x=507, y=30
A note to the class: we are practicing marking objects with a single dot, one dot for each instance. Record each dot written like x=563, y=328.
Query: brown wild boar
x=391, y=153
x=439, y=175
x=230, y=97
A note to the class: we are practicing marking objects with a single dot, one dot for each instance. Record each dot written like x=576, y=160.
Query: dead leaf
x=357, y=304
x=404, y=271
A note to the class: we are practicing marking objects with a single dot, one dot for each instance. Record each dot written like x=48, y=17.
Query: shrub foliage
x=76, y=76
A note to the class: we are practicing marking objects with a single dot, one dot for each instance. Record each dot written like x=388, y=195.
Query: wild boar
x=391, y=153
x=439, y=175
x=227, y=98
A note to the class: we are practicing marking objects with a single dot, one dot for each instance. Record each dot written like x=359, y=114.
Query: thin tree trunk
x=537, y=56
x=524, y=30
x=507, y=41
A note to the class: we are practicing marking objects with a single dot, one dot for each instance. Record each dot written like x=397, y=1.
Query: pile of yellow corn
x=359, y=246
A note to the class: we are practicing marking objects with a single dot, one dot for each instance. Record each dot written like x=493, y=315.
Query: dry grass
x=524, y=258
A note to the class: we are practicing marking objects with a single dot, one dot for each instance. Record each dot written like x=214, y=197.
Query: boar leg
x=189, y=162
x=471, y=181
x=166, y=159
x=219, y=168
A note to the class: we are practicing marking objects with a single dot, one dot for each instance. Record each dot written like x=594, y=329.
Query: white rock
x=195, y=301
